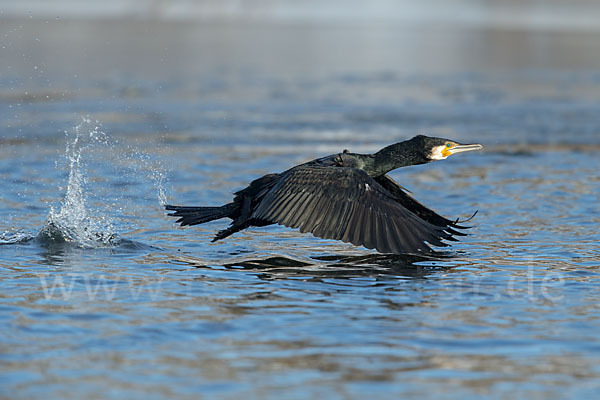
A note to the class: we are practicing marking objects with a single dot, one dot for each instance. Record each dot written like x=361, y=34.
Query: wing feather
x=357, y=227
x=369, y=235
x=306, y=210
x=312, y=212
x=329, y=215
x=347, y=228
x=296, y=214
x=280, y=208
x=380, y=234
x=290, y=206
x=347, y=204
x=342, y=221
x=391, y=236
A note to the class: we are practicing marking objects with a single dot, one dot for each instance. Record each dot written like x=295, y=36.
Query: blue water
x=102, y=296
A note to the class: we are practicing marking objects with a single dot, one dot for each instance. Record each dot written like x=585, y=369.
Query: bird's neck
x=394, y=156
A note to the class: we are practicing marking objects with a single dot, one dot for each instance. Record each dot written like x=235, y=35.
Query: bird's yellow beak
x=460, y=148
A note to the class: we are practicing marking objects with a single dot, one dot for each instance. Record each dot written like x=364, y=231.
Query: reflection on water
x=332, y=266
x=150, y=310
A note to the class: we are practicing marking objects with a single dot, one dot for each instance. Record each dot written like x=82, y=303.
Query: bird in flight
x=344, y=196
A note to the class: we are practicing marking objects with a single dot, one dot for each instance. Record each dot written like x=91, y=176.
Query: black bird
x=344, y=196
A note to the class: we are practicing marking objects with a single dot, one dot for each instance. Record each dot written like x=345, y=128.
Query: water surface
x=104, y=297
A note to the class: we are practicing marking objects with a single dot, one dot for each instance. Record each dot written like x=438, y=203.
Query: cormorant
x=344, y=196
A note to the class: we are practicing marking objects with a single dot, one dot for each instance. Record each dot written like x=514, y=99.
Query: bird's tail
x=200, y=215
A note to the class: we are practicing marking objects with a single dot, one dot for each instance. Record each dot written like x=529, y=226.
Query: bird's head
x=418, y=150
x=439, y=149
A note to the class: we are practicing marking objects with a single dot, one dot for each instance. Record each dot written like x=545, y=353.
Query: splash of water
x=75, y=221
x=154, y=171
x=72, y=222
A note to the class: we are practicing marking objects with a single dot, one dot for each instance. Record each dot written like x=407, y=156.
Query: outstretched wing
x=347, y=204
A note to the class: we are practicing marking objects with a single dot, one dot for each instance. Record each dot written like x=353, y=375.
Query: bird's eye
x=448, y=145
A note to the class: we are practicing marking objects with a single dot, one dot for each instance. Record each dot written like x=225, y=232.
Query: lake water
x=102, y=296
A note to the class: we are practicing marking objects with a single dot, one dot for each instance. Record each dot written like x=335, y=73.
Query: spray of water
x=75, y=220
x=72, y=222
